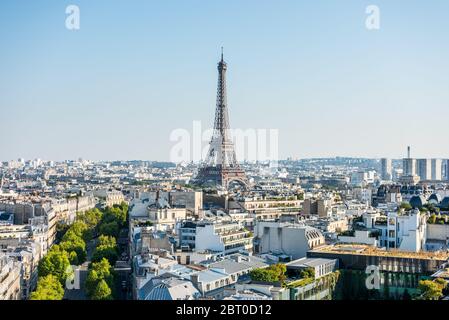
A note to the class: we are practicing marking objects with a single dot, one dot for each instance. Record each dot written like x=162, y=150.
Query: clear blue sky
x=138, y=69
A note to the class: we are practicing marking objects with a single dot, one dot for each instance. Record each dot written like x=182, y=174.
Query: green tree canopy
x=73, y=258
x=273, y=273
x=48, y=288
x=56, y=263
x=263, y=275
x=99, y=271
x=105, y=252
x=117, y=213
x=91, y=281
x=109, y=229
x=91, y=217
x=431, y=290
x=72, y=242
x=107, y=241
x=102, y=291
x=103, y=269
x=308, y=273
x=114, y=214
x=80, y=229
x=123, y=206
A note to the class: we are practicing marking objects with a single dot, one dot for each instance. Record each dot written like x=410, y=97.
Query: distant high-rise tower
x=437, y=169
x=409, y=170
x=424, y=169
x=446, y=168
x=386, y=169
x=409, y=164
x=221, y=166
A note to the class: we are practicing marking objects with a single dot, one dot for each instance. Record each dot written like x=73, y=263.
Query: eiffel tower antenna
x=221, y=166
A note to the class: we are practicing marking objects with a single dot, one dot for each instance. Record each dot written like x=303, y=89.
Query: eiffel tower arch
x=221, y=167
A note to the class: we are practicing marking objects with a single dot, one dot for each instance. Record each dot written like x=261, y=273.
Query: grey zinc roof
x=208, y=276
x=308, y=262
x=168, y=287
x=159, y=292
x=232, y=266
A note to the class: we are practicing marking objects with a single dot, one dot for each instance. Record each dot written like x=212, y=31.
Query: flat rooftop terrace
x=366, y=250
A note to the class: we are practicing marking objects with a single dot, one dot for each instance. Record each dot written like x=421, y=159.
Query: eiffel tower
x=221, y=166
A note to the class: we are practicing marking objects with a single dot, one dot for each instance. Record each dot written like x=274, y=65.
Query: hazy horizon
x=137, y=70
x=196, y=162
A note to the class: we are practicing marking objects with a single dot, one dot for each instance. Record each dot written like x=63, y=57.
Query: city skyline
x=79, y=159
x=223, y=155
x=117, y=88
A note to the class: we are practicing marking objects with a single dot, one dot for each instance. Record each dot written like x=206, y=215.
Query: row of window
x=225, y=282
x=397, y=268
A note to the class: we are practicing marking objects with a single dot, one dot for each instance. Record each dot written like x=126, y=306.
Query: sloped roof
x=168, y=287
x=238, y=263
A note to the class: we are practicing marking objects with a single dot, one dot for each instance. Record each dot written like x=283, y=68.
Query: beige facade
x=320, y=207
x=66, y=209
x=14, y=231
x=266, y=208
x=166, y=218
x=110, y=198
x=30, y=220
x=9, y=278
x=268, y=214
x=192, y=200
x=30, y=258
x=339, y=225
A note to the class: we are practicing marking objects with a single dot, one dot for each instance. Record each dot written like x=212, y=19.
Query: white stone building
x=288, y=238
x=223, y=237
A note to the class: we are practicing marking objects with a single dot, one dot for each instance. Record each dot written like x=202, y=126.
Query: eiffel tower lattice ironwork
x=221, y=167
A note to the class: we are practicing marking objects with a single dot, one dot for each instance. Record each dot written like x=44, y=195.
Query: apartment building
x=13, y=231
x=403, y=230
x=66, y=209
x=147, y=266
x=292, y=239
x=192, y=201
x=322, y=267
x=260, y=204
x=144, y=238
x=159, y=213
x=223, y=237
x=358, y=256
x=187, y=235
x=319, y=207
x=10, y=271
x=166, y=218
x=226, y=272
x=28, y=254
x=30, y=219
x=109, y=198
x=211, y=282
